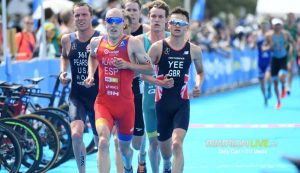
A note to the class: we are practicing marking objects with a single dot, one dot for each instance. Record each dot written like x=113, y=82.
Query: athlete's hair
x=179, y=10
x=49, y=13
x=133, y=1
x=66, y=16
x=81, y=4
x=158, y=4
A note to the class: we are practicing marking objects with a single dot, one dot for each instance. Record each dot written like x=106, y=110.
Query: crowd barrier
x=221, y=71
x=30, y=69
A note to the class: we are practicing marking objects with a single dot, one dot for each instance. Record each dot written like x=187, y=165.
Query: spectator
x=51, y=17
x=110, y=4
x=25, y=40
x=102, y=13
x=67, y=22
x=50, y=35
x=205, y=38
x=15, y=22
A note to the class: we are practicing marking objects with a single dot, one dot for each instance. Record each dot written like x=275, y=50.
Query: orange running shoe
x=283, y=93
x=142, y=168
x=278, y=105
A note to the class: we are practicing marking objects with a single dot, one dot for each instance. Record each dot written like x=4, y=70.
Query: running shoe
x=288, y=91
x=278, y=105
x=142, y=168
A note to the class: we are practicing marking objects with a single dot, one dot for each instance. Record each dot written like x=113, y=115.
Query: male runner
x=292, y=28
x=264, y=58
x=277, y=40
x=75, y=52
x=158, y=13
x=133, y=8
x=173, y=57
x=118, y=57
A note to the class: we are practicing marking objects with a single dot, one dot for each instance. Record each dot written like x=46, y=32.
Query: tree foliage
x=214, y=7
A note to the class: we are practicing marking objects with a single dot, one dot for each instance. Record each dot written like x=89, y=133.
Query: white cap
x=276, y=21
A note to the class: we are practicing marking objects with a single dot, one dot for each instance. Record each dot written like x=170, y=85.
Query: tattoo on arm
x=94, y=47
x=198, y=63
x=64, y=51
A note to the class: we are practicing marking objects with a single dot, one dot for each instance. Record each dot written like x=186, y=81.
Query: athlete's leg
x=104, y=125
x=151, y=128
x=275, y=67
x=290, y=75
x=261, y=78
x=139, y=140
x=154, y=154
x=177, y=150
x=268, y=83
x=263, y=89
x=77, y=127
x=125, y=127
x=282, y=79
x=166, y=153
x=103, y=147
x=77, y=114
x=126, y=153
x=139, y=143
x=119, y=163
x=276, y=90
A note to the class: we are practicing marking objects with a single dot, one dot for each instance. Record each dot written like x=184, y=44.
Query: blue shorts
x=262, y=69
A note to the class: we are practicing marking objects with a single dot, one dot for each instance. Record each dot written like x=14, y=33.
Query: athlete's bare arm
x=140, y=61
x=196, y=55
x=291, y=41
x=92, y=61
x=64, y=60
x=267, y=45
x=141, y=39
x=155, y=51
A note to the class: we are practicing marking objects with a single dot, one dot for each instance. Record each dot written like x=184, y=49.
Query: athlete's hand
x=88, y=82
x=196, y=91
x=166, y=82
x=121, y=64
x=63, y=78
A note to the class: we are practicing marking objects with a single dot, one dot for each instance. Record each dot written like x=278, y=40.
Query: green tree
x=214, y=7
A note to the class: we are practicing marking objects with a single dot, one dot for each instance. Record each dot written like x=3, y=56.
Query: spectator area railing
x=221, y=72
x=33, y=68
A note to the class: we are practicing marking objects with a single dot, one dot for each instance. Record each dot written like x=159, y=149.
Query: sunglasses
x=178, y=22
x=116, y=20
